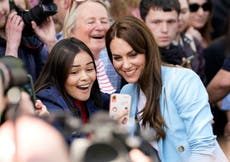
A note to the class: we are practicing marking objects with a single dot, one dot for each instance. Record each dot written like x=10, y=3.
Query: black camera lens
x=38, y=14
x=100, y=152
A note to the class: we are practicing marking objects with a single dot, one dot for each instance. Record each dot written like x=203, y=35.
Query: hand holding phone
x=120, y=105
x=187, y=60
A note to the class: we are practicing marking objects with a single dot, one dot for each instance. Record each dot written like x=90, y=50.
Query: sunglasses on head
x=194, y=7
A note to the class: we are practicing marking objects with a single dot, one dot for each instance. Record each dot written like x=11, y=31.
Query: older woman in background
x=90, y=27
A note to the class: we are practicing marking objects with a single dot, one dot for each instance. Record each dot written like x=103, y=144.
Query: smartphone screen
x=118, y=104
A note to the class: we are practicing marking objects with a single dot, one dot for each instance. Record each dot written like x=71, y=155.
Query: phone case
x=119, y=103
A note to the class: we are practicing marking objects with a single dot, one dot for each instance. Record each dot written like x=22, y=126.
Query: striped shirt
x=103, y=80
x=113, y=76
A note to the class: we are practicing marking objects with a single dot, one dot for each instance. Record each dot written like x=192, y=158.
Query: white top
x=148, y=133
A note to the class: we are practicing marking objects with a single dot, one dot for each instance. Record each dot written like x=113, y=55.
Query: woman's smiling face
x=128, y=63
x=81, y=77
x=91, y=25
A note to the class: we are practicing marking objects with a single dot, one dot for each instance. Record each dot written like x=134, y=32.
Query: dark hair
x=58, y=65
x=165, y=5
x=139, y=37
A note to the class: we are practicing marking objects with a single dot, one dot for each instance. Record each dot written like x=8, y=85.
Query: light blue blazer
x=186, y=111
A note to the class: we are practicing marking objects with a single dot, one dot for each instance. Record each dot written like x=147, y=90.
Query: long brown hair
x=139, y=37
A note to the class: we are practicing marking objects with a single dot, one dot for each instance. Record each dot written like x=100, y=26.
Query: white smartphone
x=119, y=103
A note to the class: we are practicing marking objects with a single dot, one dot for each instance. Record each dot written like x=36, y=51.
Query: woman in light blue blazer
x=169, y=100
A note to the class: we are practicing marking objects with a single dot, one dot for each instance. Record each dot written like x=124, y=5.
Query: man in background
x=161, y=16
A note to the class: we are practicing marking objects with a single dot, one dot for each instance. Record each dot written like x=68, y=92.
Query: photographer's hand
x=46, y=32
x=14, y=27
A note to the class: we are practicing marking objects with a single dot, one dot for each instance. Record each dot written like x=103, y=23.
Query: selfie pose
x=170, y=101
x=68, y=85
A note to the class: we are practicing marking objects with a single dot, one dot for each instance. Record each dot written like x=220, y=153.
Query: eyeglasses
x=194, y=7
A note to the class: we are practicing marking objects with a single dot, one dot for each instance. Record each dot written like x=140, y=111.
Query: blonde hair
x=71, y=16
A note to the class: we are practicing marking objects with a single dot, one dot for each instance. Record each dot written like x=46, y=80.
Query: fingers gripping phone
x=190, y=58
x=120, y=103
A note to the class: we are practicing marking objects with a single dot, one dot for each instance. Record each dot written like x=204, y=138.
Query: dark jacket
x=220, y=18
x=198, y=62
x=214, y=56
x=172, y=55
x=33, y=53
x=56, y=104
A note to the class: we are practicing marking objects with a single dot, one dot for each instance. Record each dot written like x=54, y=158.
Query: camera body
x=108, y=141
x=13, y=75
x=12, y=72
x=39, y=14
x=13, y=78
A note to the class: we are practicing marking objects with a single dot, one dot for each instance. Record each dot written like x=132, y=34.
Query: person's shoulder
x=104, y=96
x=50, y=92
x=218, y=44
x=128, y=88
x=176, y=74
x=52, y=98
x=173, y=70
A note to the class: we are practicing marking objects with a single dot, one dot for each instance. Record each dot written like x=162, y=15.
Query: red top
x=83, y=110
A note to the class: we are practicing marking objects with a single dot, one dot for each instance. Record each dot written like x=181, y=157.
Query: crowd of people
x=170, y=56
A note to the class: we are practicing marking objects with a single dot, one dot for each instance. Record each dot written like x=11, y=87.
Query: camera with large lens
x=39, y=14
x=13, y=77
x=12, y=72
x=108, y=141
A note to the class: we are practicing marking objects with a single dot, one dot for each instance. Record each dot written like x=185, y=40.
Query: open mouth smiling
x=98, y=37
x=83, y=87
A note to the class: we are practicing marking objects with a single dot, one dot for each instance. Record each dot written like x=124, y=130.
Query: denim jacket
x=186, y=111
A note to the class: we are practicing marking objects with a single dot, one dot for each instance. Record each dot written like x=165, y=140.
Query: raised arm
x=14, y=28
